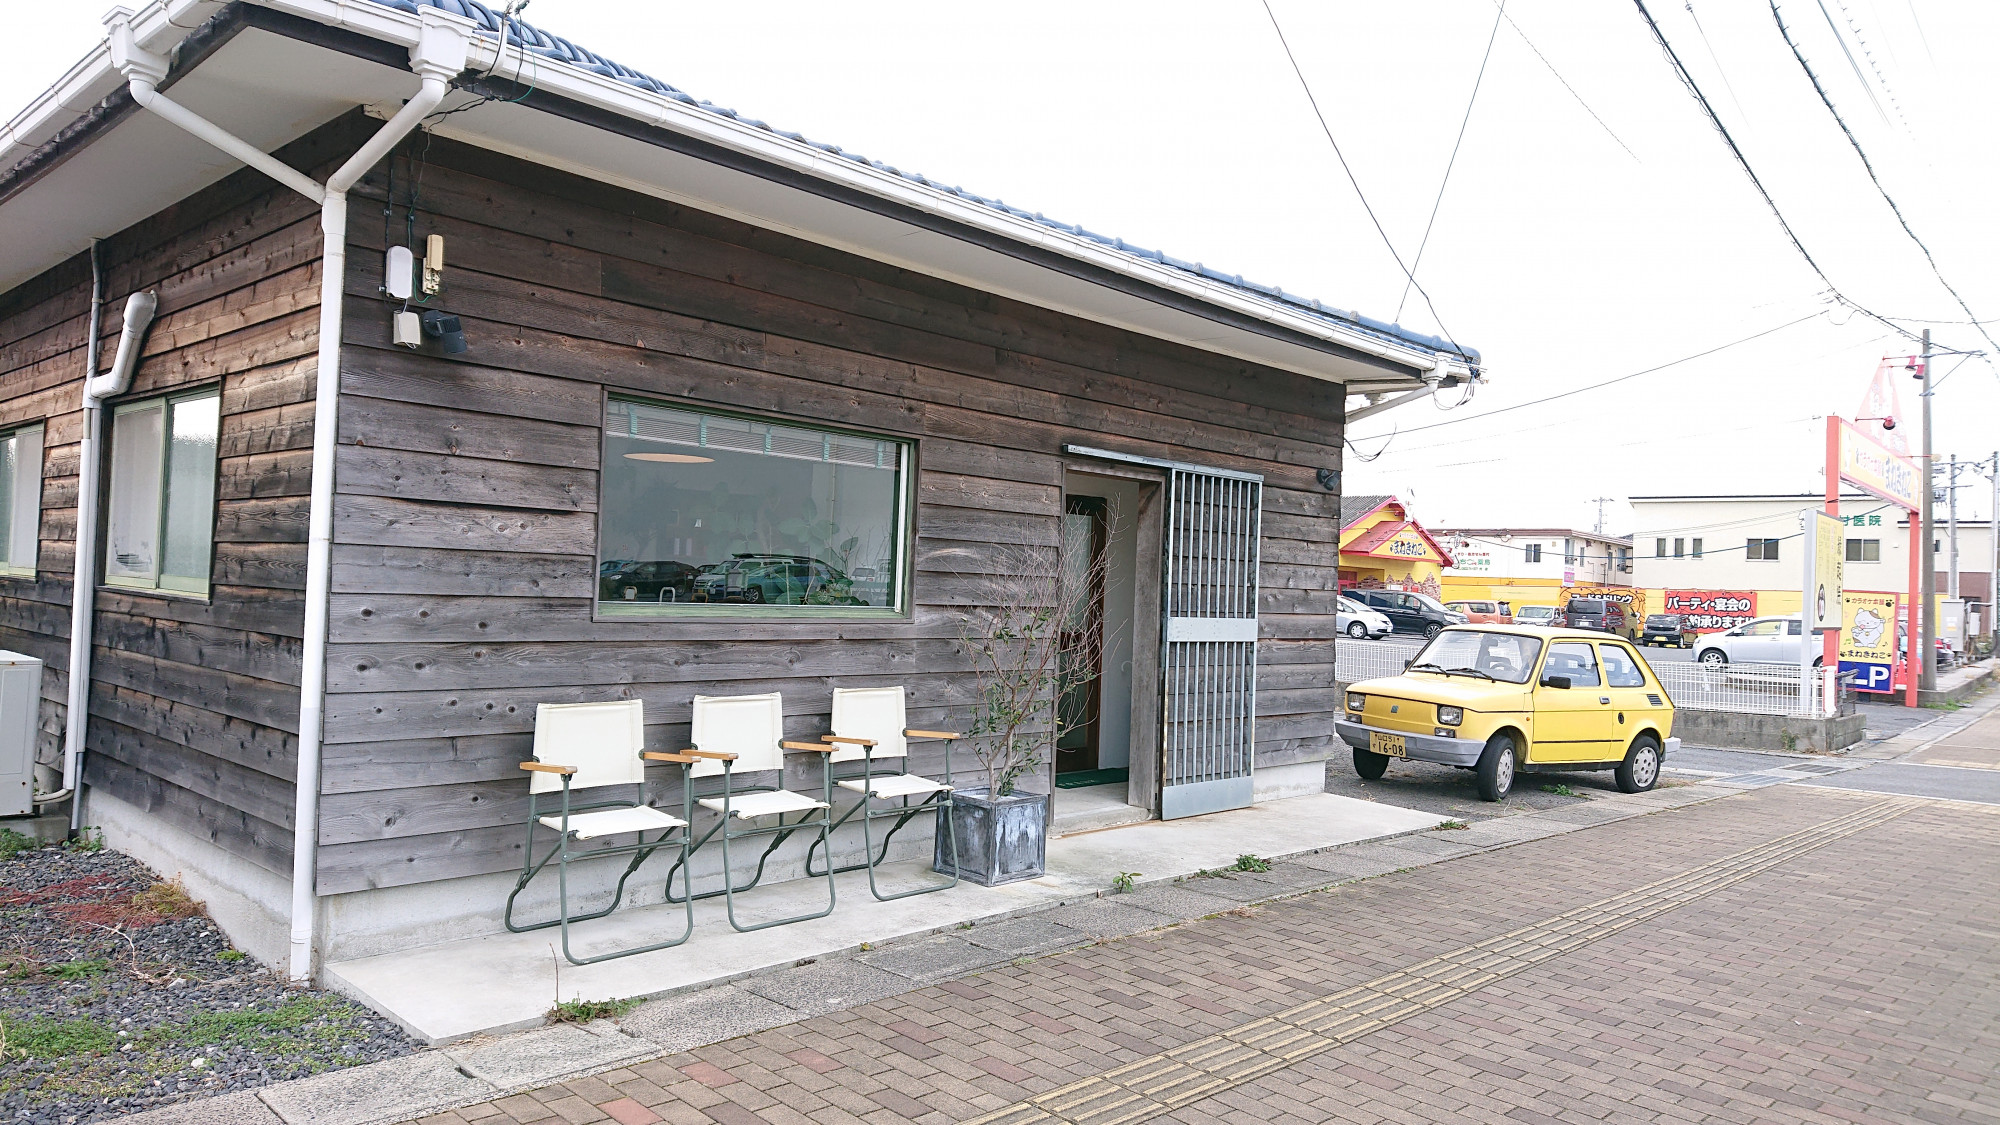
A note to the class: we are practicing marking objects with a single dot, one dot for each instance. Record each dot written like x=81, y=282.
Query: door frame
x=1142, y=787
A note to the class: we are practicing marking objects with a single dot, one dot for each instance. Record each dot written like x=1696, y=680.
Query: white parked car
x=1760, y=640
x=1360, y=622
x=1537, y=615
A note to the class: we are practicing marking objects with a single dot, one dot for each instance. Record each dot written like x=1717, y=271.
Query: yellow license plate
x=1390, y=744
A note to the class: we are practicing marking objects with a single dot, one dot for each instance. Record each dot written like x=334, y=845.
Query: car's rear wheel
x=1640, y=770
x=1433, y=629
x=1369, y=764
x=1357, y=630
x=1496, y=768
x=1714, y=657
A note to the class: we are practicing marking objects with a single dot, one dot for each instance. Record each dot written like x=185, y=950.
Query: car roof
x=1536, y=631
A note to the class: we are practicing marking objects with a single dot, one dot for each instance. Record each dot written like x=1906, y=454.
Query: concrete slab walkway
x=509, y=981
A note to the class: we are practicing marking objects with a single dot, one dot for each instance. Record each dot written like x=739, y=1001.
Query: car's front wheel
x=1357, y=630
x=1714, y=657
x=1640, y=770
x=1496, y=768
x=1369, y=764
x=1433, y=629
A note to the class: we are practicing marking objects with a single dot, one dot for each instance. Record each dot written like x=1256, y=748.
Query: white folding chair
x=582, y=746
x=744, y=734
x=868, y=728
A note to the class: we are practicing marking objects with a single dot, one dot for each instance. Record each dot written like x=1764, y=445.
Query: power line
x=1687, y=79
x=1610, y=382
x=1565, y=83
x=1858, y=76
x=1417, y=262
x=1872, y=177
x=1710, y=48
x=1352, y=181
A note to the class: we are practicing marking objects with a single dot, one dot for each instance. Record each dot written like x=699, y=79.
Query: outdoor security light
x=445, y=329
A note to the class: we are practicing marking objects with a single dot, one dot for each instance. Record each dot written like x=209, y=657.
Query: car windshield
x=1535, y=611
x=1499, y=656
x=1427, y=601
x=1663, y=619
x=1583, y=605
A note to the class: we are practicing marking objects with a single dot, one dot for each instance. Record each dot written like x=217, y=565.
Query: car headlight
x=1451, y=716
x=1356, y=701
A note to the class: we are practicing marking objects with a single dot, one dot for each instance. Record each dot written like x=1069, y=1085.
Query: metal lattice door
x=1209, y=659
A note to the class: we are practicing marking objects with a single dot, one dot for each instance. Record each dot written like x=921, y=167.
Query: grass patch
x=1946, y=705
x=232, y=956
x=88, y=840
x=1248, y=862
x=294, y=1027
x=78, y=970
x=168, y=899
x=583, y=1011
x=1561, y=790
x=1212, y=873
x=12, y=843
x=1452, y=826
x=41, y=1037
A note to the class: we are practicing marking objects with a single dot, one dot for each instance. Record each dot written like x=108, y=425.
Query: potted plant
x=1033, y=640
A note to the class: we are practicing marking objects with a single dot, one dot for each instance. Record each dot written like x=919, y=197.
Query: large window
x=160, y=526
x=20, y=500
x=1864, y=550
x=708, y=513
x=1764, y=550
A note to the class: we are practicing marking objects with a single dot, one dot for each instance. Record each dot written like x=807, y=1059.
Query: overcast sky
x=1567, y=249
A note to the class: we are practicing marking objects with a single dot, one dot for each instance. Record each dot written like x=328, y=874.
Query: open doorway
x=1107, y=761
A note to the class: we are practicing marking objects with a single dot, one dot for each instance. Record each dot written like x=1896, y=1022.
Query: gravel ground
x=110, y=1004
x=1444, y=791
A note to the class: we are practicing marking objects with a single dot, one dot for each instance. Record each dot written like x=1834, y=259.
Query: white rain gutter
x=437, y=55
x=139, y=310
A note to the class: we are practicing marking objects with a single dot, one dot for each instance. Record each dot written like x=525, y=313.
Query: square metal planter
x=1000, y=839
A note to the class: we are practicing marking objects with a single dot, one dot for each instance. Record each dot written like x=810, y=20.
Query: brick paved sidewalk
x=1849, y=981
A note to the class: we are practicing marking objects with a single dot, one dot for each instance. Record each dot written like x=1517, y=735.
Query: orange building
x=1382, y=548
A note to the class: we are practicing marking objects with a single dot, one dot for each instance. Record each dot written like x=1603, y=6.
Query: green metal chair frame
x=870, y=720
x=608, y=748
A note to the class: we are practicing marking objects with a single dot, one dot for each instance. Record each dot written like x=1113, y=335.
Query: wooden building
x=734, y=413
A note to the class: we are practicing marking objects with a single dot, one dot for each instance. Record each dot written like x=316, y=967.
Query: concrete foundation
x=1732, y=730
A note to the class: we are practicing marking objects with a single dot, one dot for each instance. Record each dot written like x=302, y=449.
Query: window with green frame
x=20, y=500
x=160, y=520
x=708, y=513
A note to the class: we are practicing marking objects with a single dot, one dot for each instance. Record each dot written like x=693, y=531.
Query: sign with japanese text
x=1711, y=611
x=1872, y=467
x=1476, y=560
x=1868, y=640
x=1827, y=536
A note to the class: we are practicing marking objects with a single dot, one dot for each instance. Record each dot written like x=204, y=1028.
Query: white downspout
x=438, y=56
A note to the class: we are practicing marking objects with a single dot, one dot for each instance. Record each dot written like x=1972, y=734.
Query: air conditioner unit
x=20, y=719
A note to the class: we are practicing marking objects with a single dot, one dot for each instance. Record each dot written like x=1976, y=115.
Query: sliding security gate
x=1209, y=660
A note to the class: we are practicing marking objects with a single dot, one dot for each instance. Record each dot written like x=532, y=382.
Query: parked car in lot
x=1760, y=640
x=1598, y=614
x=1360, y=622
x=630, y=580
x=1502, y=700
x=774, y=580
x=1409, y=612
x=1482, y=613
x=1537, y=615
x=1667, y=629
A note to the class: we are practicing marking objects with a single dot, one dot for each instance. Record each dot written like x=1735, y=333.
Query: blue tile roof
x=554, y=47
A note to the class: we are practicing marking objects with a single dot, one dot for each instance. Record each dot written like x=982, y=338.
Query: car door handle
x=1604, y=699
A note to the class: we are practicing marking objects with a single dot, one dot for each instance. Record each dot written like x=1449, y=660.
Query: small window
x=1533, y=552
x=160, y=525
x=1761, y=549
x=20, y=500
x=1764, y=629
x=1680, y=545
x=1694, y=548
x=714, y=514
x=1574, y=661
x=1569, y=552
x=1864, y=550
x=1659, y=548
x=1620, y=670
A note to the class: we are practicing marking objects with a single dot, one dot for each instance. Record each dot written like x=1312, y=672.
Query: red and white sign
x=1711, y=611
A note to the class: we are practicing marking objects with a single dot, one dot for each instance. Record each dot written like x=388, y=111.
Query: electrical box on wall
x=406, y=329
x=433, y=264
x=20, y=718
x=399, y=273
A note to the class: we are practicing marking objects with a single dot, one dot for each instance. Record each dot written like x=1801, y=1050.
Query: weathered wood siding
x=194, y=702
x=465, y=534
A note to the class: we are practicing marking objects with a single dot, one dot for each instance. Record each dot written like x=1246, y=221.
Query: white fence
x=1754, y=689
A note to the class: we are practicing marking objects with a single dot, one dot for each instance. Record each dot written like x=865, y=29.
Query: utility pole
x=1924, y=632
x=1600, y=501
x=1993, y=558
x=1951, y=524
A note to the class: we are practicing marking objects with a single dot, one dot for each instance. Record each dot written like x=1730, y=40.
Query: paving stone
x=696, y=1019
x=242, y=1108
x=1344, y=863
x=1105, y=918
x=1178, y=900
x=547, y=1054
x=1437, y=845
x=827, y=986
x=1022, y=936
x=927, y=960
x=385, y=1091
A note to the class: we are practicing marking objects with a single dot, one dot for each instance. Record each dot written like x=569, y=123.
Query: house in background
x=1533, y=565
x=624, y=396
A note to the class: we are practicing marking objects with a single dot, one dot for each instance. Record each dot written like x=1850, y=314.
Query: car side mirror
x=1407, y=663
x=1556, y=682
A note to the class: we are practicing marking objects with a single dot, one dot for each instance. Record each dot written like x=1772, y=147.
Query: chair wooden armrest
x=822, y=747
x=544, y=767
x=710, y=754
x=945, y=734
x=845, y=741
x=658, y=756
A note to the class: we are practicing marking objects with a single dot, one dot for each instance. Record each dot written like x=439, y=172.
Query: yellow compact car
x=1508, y=699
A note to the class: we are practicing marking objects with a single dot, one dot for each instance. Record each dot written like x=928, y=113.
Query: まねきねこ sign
x=1868, y=640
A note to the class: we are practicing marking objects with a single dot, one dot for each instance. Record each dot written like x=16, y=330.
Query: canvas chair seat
x=615, y=822
x=897, y=785
x=745, y=806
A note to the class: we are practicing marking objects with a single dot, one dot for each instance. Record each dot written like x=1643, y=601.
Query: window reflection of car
x=774, y=580
x=630, y=580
